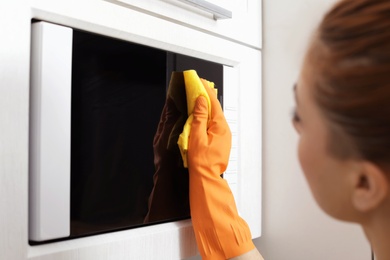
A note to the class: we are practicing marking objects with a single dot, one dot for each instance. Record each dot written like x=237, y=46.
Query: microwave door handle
x=49, y=130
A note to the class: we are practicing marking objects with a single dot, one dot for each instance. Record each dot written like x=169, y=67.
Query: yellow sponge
x=195, y=87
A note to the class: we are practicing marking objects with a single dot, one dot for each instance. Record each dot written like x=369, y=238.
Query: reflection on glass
x=169, y=197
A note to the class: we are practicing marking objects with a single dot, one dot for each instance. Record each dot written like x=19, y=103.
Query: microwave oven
x=95, y=105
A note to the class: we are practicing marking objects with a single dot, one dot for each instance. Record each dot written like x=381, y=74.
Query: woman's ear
x=370, y=187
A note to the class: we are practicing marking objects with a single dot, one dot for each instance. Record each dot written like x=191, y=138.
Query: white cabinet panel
x=245, y=26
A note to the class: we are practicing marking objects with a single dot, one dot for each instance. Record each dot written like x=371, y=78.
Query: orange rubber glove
x=220, y=232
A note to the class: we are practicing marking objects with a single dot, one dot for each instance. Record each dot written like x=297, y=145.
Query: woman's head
x=350, y=57
x=345, y=81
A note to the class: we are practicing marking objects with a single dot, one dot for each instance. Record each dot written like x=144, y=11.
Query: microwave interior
x=119, y=178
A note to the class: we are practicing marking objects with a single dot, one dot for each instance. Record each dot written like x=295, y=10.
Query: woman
x=343, y=118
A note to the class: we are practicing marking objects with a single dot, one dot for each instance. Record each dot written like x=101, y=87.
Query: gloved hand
x=220, y=232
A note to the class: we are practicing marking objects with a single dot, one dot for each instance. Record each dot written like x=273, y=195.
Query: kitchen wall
x=294, y=228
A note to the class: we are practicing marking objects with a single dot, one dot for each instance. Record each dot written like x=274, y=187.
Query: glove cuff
x=234, y=242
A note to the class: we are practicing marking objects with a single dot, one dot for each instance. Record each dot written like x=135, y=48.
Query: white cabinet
x=244, y=26
x=160, y=24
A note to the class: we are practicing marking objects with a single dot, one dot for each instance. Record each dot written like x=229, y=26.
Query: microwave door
x=50, y=119
x=96, y=105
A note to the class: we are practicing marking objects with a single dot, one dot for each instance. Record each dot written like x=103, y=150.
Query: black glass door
x=118, y=98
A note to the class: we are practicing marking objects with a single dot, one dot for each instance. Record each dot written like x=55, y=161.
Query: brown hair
x=351, y=61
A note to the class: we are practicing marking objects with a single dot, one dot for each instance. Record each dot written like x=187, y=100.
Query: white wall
x=294, y=228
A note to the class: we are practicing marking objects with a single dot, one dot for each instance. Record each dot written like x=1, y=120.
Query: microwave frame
x=242, y=69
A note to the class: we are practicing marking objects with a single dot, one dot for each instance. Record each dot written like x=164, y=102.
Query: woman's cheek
x=308, y=162
x=303, y=156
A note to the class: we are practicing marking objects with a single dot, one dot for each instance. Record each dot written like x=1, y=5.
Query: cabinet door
x=244, y=26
